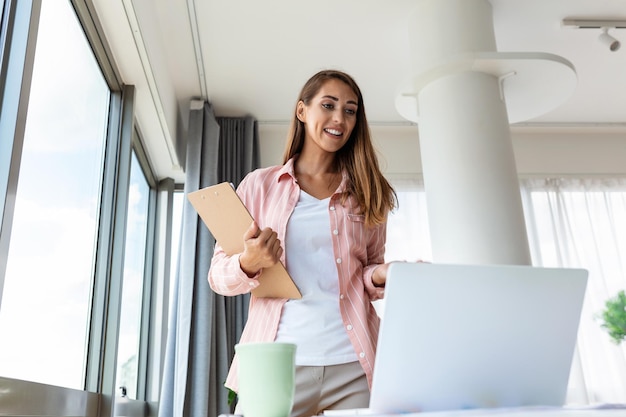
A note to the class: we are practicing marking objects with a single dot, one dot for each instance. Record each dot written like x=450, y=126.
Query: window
x=408, y=236
x=581, y=223
x=85, y=264
x=133, y=281
x=46, y=300
x=177, y=218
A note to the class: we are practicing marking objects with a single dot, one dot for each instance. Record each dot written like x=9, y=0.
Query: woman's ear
x=300, y=111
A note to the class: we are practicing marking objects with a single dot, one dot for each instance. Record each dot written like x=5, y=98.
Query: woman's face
x=330, y=117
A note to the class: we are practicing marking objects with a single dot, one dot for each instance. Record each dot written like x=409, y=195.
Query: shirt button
x=338, y=260
x=349, y=327
x=335, y=232
x=362, y=355
x=332, y=208
x=341, y=296
x=251, y=284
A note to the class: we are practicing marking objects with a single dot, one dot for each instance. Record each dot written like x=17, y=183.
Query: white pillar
x=459, y=98
x=472, y=190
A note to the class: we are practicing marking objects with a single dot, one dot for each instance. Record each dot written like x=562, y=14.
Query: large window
x=581, y=223
x=45, y=310
x=84, y=249
x=408, y=236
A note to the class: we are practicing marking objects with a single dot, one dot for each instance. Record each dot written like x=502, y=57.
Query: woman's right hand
x=262, y=249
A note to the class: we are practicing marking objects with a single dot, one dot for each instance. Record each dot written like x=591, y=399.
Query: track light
x=604, y=25
x=609, y=40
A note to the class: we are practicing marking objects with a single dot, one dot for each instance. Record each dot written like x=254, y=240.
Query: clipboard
x=223, y=212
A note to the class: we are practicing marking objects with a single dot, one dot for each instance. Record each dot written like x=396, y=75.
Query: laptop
x=457, y=337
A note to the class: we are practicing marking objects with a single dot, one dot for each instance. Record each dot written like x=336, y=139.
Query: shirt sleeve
x=225, y=274
x=377, y=237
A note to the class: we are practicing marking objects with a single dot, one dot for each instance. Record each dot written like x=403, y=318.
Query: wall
x=581, y=151
x=538, y=150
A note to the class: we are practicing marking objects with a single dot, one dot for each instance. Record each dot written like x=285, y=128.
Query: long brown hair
x=373, y=193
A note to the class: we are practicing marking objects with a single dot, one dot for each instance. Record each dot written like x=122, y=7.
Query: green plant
x=613, y=317
x=232, y=396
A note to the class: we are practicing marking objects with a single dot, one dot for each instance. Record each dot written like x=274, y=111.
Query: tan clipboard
x=223, y=212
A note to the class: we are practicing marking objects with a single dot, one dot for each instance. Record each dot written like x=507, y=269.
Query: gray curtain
x=205, y=326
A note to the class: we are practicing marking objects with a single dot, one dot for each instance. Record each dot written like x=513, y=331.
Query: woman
x=327, y=206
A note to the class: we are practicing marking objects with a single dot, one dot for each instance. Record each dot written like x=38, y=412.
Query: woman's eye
x=328, y=106
x=351, y=112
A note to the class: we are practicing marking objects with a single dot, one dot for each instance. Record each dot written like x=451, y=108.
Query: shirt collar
x=287, y=170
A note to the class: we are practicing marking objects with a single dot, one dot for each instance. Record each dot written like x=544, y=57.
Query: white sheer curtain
x=408, y=236
x=582, y=223
x=571, y=223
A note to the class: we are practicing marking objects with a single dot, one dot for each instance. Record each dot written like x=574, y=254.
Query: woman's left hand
x=379, y=277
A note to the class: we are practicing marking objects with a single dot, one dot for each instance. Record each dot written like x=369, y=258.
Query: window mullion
x=149, y=282
x=159, y=303
x=110, y=257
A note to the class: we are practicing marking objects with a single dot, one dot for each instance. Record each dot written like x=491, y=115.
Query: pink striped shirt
x=271, y=195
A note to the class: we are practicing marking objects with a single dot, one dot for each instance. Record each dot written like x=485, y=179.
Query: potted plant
x=613, y=317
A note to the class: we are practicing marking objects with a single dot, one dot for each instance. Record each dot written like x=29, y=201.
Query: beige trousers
x=320, y=388
x=335, y=387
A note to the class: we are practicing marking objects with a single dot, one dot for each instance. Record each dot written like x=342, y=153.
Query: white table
x=583, y=411
x=527, y=412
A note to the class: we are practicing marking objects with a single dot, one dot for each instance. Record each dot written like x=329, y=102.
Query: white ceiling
x=252, y=57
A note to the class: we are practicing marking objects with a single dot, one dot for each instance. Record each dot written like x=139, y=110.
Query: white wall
x=575, y=152
x=538, y=151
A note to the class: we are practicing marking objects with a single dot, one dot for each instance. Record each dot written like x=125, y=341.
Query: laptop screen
x=467, y=336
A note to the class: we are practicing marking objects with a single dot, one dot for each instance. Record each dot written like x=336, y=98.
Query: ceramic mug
x=266, y=374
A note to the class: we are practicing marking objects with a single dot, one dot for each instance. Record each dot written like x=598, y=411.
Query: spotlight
x=603, y=24
x=609, y=40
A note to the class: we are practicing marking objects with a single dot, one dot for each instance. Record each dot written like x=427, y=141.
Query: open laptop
x=458, y=337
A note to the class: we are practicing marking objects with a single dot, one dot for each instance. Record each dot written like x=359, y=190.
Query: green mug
x=267, y=374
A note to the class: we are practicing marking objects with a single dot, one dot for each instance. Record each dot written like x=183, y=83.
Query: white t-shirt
x=314, y=322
